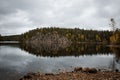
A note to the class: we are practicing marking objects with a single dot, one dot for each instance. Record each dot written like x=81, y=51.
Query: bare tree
x=112, y=25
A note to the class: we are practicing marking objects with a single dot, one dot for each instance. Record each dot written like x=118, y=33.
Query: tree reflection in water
x=56, y=50
x=116, y=58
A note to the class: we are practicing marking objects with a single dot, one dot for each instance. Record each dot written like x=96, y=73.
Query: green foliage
x=10, y=38
x=75, y=35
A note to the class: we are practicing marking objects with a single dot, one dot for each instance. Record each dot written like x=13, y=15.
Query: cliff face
x=48, y=39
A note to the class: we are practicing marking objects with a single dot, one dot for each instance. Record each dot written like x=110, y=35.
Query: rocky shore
x=79, y=73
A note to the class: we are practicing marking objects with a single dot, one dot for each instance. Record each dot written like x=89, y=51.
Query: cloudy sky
x=18, y=16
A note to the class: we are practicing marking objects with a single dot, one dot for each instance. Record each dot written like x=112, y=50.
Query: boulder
x=92, y=70
x=89, y=70
x=86, y=69
x=76, y=69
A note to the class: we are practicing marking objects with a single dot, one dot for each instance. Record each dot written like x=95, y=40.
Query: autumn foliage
x=115, y=38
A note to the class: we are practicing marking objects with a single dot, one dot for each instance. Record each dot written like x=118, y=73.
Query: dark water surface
x=16, y=61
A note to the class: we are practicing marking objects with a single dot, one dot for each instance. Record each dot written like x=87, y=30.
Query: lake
x=17, y=60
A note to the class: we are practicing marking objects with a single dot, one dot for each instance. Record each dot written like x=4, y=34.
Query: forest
x=10, y=38
x=115, y=38
x=75, y=35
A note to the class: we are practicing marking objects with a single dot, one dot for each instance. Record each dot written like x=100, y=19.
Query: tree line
x=10, y=38
x=115, y=37
x=75, y=35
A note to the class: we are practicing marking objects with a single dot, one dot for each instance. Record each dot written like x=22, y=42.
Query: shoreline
x=78, y=74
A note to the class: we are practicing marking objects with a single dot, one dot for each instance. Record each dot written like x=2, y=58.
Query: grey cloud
x=87, y=14
x=107, y=8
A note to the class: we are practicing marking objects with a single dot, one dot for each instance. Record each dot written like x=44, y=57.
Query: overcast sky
x=18, y=16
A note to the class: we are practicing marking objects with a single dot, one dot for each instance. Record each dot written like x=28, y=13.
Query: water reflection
x=56, y=50
x=79, y=50
x=116, y=51
x=15, y=60
x=116, y=59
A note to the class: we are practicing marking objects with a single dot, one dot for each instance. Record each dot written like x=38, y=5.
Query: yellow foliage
x=98, y=38
x=82, y=36
x=26, y=37
x=115, y=38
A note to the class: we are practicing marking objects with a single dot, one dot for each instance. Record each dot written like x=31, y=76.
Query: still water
x=16, y=61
